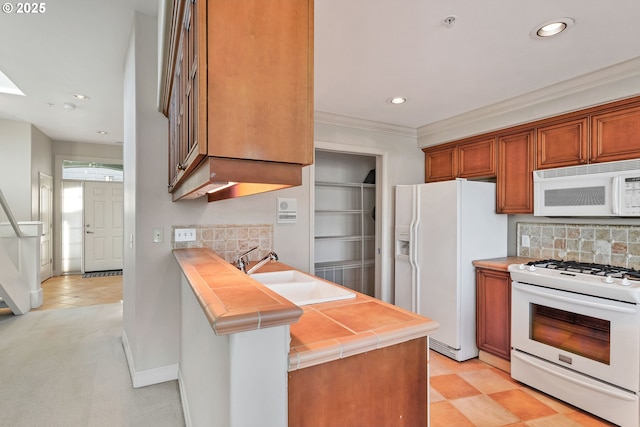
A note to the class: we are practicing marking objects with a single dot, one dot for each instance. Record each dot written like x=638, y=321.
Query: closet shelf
x=344, y=184
x=353, y=238
x=344, y=264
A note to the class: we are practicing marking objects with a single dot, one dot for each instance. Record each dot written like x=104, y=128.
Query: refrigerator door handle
x=414, y=227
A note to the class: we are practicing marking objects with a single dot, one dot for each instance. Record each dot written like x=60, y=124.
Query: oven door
x=594, y=336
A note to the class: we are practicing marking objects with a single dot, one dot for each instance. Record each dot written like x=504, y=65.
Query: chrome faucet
x=242, y=261
x=271, y=256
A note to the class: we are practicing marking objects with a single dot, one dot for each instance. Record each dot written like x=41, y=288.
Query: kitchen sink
x=301, y=288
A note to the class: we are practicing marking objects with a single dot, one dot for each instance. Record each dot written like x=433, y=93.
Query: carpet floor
x=67, y=368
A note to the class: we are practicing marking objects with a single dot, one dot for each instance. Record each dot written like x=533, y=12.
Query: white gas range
x=575, y=334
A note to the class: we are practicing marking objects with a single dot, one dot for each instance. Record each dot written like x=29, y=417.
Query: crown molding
x=363, y=124
x=548, y=101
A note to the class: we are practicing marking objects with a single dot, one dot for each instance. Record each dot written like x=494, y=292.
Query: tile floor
x=474, y=394
x=74, y=291
x=468, y=394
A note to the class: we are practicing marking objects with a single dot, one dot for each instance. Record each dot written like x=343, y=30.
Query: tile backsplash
x=603, y=244
x=229, y=240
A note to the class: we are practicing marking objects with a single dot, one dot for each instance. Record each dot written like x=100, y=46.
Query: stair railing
x=9, y=215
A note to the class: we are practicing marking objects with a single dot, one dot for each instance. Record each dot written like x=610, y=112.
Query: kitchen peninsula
x=248, y=355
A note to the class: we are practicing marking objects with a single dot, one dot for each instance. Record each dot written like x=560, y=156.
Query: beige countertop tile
x=501, y=263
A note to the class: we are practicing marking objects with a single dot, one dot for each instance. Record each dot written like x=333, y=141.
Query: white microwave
x=599, y=189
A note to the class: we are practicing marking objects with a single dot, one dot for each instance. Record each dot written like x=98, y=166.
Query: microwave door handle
x=616, y=195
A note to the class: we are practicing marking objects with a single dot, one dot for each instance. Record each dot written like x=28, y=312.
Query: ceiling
x=366, y=51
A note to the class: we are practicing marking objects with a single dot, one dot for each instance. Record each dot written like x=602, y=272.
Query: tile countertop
x=501, y=263
x=323, y=333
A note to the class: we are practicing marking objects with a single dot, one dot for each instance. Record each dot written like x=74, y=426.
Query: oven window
x=583, y=335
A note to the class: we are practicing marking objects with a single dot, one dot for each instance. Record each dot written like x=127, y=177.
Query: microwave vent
x=585, y=196
x=590, y=169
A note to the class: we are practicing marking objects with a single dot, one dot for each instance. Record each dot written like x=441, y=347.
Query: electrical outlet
x=185, y=235
x=525, y=241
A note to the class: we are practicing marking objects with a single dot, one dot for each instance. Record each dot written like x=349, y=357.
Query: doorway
x=46, y=217
x=347, y=202
x=103, y=226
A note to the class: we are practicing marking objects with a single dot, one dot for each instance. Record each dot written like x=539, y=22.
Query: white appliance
x=598, y=189
x=575, y=334
x=440, y=229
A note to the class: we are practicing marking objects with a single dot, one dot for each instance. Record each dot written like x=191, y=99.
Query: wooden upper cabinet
x=477, y=159
x=563, y=144
x=470, y=159
x=239, y=84
x=441, y=164
x=260, y=80
x=615, y=135
x=514, y=192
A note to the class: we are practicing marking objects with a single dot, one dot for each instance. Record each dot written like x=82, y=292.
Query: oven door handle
x=601, y=306
x=625, y=396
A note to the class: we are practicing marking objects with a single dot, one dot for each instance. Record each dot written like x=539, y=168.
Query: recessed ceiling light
x=103, y=132
x=552, y=27
x=80, y=97
x=397, y=100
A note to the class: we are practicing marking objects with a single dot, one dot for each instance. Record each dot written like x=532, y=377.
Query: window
x=91, y=171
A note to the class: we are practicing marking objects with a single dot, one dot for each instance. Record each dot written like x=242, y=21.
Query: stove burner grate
x=588, y=268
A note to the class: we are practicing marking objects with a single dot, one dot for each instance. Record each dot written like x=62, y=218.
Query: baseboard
x=183, y=399
x=495, y=361
x=37, y=298
x=149, y=376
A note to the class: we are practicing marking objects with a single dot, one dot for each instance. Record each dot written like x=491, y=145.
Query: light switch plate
x=157, y=235
x=185, y=235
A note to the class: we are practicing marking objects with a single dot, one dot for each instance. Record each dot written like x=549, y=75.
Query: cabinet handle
x=180, y=167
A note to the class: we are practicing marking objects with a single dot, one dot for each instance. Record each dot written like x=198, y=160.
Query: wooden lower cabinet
x=385, y=387
x=493, y=312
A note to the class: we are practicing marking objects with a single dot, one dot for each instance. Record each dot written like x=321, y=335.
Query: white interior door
x=46, y=217
x=103, y=226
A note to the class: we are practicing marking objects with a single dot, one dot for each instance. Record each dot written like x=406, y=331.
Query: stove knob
x=532, y=268
x=608, y=279
x=625, y=282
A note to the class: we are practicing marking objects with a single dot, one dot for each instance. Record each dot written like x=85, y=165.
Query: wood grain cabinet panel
x=514, y=192
x=477, y=159
x=493, y=312
x=385, y=387
x=241, y=83
x=563, y=144
x=615, y=135
x=441, y=164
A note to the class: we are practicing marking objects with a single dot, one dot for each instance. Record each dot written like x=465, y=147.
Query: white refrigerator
x=440, y=229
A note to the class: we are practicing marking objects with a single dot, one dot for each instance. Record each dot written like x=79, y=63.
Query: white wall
x=41, y=161
x=15, y=167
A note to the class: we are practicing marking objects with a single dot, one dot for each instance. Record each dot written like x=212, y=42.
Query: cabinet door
x=562, y=144
x=515, y=173
x=477, y=159
x=185, y=123
x=440, y=164
x=260, y=80
x=615, y=135
x=493, y=311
